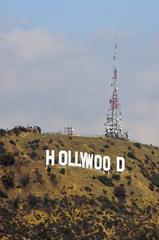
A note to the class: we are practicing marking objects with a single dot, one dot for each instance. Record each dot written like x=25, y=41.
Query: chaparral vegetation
x=64, y=202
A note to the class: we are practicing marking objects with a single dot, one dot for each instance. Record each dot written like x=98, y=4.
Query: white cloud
x=52, y=80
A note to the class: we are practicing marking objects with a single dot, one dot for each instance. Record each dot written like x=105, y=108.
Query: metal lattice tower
x=113, y=125
x=69, y=131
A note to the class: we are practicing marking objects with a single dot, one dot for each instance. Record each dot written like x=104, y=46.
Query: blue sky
x=83, y=16
x=56, y=64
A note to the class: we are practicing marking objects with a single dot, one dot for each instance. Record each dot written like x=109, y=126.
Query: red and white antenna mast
x=114, y=121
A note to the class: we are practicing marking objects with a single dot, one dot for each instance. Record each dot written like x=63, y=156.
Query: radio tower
x=113, y=125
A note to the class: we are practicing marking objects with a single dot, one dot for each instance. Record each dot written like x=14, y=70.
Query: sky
x=56, y=64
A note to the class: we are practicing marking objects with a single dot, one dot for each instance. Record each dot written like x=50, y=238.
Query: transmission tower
x=69, y=130
x=113, y=125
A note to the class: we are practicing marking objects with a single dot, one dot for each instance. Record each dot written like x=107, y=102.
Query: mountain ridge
x=72, y=202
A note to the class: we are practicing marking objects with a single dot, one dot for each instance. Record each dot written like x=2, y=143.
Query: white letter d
x=120, y=164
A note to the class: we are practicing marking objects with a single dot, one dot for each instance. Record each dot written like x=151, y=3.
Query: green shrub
x=7, y=160
x=12, y=142
x=138, y=145
x=87, y=189
x=131, y=155
x=62, y=170
x=24, y=180
x=33, y=200
x=151, y=187
x=8, y=181
x=116, y=177
x=2, y=149
x=39, y=178
x=53, y=178
x=119, y=192
x=3, y=194
x=106, y=181
x=155, y=179
x=106, y=146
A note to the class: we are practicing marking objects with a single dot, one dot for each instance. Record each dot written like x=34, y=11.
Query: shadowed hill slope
x=76, y=203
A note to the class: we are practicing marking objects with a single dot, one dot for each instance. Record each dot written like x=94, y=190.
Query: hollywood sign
x=84, y=160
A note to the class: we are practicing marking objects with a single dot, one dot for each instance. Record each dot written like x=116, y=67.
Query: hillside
x=75, y=203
